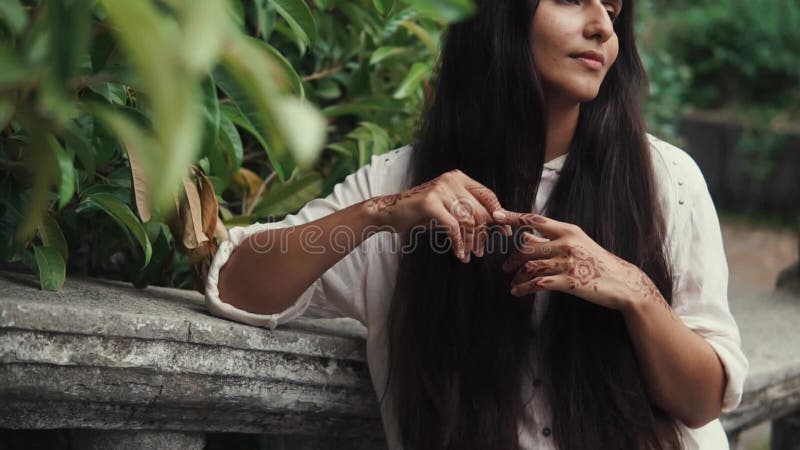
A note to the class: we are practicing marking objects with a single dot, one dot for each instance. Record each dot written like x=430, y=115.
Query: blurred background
x=133, y=134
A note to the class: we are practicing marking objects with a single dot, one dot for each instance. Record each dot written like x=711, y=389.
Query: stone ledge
x=102, y=355
x=769, y=328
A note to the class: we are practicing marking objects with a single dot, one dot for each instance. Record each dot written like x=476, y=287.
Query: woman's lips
x=592, y=64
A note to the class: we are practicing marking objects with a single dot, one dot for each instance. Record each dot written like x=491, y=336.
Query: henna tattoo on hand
x=637, y=281
x=386, y=202
x=584, y=269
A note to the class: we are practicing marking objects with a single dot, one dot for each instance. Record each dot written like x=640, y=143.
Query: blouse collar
x=556, y=163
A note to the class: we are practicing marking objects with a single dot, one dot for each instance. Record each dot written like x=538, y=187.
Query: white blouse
x=361, y=284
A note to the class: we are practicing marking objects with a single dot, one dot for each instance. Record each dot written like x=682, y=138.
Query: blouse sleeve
x=339, y=292
x=700, y=298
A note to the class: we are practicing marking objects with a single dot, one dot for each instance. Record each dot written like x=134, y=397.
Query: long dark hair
x=459, y=342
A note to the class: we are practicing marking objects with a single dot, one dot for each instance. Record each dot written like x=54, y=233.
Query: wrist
x=634, y=305
x=373, y=216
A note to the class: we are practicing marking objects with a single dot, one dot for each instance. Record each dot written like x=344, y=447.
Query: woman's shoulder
x=391, y=170
x=680, y=184
x=674, y=166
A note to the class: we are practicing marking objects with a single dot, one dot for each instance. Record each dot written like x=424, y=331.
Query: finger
x=471, y=210
x=453, y=228
x=538, y=268
x=550, y=228
x=484, y=195
x=487, y=199
x=463, y=209
x=468, y=232
x=551, y=283
x=483, y=235
x=529, y=250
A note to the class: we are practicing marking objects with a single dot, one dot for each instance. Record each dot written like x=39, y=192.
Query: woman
x=604, y=325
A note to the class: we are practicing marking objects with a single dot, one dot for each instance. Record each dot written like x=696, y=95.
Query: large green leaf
x=383, y=6
x=290, y=196
x=418, y=73
x=211, y=125
x=387, y=52
x=247, y=79
x=14, y=70
x=289, y=130
x=82, y=149
x=41, y=161
x=68, y=24
x=291, y=75
x=124, y=217
x=52, y=236
x=66, y=170
x=12, y=13
x=206, y=26
x=51, y=268
x=230, y=143
x=299, y=18
x=172, y=92
x=444, y=10
x=365, y=108
x=303, y=128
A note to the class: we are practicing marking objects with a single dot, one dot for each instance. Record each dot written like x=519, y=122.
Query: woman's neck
x=562, y=119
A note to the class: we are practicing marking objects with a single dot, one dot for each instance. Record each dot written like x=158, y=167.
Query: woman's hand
x=453, y=200
x=568, y=260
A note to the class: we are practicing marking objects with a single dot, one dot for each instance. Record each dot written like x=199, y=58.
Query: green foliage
x=741, y=51
x=738, y=55
x=105, y=104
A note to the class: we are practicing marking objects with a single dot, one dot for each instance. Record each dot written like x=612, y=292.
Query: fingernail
x=461, y=253
x=500, y=215
x=514, y=290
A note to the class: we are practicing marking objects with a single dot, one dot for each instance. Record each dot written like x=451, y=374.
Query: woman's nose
x=598, y=22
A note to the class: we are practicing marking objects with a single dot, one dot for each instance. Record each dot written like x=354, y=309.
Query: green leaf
x=114, y=93
x=386, y=52
x=418, y=73
x=299, y=18
x=82, y=149
x=247, y=81
x=444, y=10
x=12, y=13
x=303, y=128
x=124, y=217
x=68, y=27
x=51, y=268
x=205, y=28
x=14, y=70
x=52, y=236
x=66, y=186
x=211, y=125
x=383, y=6
x=423, y=35
x=290, y=196
x=293, y=78
x=172, y=92
x=231, y=143
x=162, y=254
x=328, y=89
x=6, y=112
x=365, y=108
x=40, y=159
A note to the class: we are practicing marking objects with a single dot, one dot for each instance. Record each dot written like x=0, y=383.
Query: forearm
x=682, y=372
x=268, y=271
